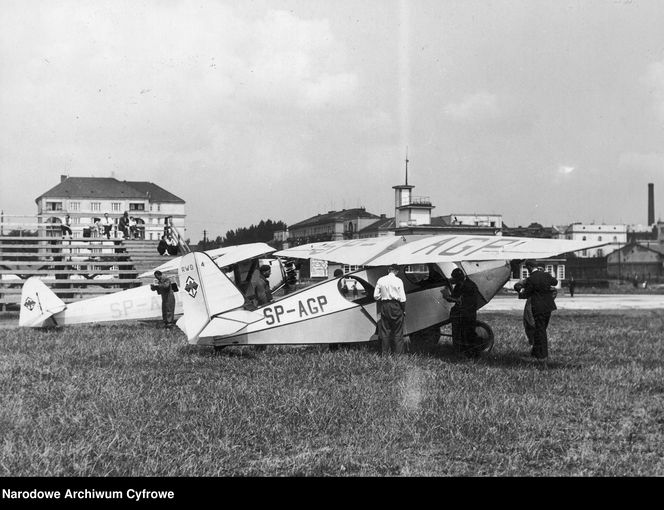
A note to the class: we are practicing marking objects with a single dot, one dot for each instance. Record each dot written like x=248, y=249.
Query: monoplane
x=215, y=312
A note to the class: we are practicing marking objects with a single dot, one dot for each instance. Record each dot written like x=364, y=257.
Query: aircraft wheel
x=484, y=336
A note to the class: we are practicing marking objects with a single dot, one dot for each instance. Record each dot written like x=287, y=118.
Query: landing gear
x=484, y=338
x=219, y=348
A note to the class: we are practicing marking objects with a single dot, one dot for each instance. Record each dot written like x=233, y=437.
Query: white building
x=87, y=198
x=615, y=235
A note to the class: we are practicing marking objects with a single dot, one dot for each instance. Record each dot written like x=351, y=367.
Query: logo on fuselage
x=29, y=303
x=191, y=286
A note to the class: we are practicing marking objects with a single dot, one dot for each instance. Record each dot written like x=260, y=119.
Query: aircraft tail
x=38, y=304
x=206, y=292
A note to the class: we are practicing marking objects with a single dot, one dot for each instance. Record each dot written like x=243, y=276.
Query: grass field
x=132, y=400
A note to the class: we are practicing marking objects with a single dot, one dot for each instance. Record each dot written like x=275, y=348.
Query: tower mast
x=406, y=165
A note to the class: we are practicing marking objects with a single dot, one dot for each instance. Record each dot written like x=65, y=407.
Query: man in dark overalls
x=164, y=287
x=259, y=293
x=463, y=313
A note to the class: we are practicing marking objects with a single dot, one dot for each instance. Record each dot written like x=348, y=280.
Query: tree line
x=261, y=233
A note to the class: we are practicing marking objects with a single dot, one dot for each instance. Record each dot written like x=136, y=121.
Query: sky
x=548, y=111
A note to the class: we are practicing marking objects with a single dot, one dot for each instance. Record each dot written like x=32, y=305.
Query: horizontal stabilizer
x=38, y=304
x=231, y=322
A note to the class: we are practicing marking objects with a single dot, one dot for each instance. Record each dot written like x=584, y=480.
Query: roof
x=541, y=232
x=655, y=246
x=473, y=214
x=155, y=193
x=439, y=221
x=659, y=248
x=333, y=217
x=381, y=224
x=108, y=187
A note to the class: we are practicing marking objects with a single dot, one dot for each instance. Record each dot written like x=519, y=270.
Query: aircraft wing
x=355, y=252
x=436, y=249
x=222, y=256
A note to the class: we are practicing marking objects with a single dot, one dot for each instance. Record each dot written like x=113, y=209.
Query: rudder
x=206, y=291
x=38, y=304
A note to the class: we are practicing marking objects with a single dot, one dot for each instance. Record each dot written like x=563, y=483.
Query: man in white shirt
x=107, y=223
x=390, y=299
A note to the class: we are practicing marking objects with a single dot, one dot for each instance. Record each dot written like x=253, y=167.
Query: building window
x=561, y=272
x=600, y=252
x=615, y=239
x=524, y=273
x=137, y=207
x=584, y=253
x=74, y=206
x=116, y=206
x=76, y=221
x=54, y=206
x=95, y=206
x=583, y=238
x=349, y=269
x=599, y=238
x=549, y=269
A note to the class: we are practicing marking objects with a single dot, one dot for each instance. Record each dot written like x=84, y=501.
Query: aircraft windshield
x=424, y=275
x=355, y=289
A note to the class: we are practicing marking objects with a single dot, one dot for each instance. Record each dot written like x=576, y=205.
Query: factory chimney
x=651, y=204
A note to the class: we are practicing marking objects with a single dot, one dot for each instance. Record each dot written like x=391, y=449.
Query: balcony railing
x=418, y=201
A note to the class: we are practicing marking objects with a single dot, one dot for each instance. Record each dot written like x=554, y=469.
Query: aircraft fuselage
x=322, y=314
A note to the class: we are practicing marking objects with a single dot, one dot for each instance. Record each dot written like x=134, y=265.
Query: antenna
x=406, y=165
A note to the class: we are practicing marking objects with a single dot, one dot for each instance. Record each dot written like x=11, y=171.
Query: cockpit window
x=355, y=289
x=416, y=273
x=424, y=274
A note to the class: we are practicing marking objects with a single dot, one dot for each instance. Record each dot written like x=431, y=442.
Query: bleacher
x=74, y=268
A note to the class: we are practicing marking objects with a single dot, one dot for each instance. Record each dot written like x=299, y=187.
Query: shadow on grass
x=519, y=360
x=506, y=359
x=238, y=351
